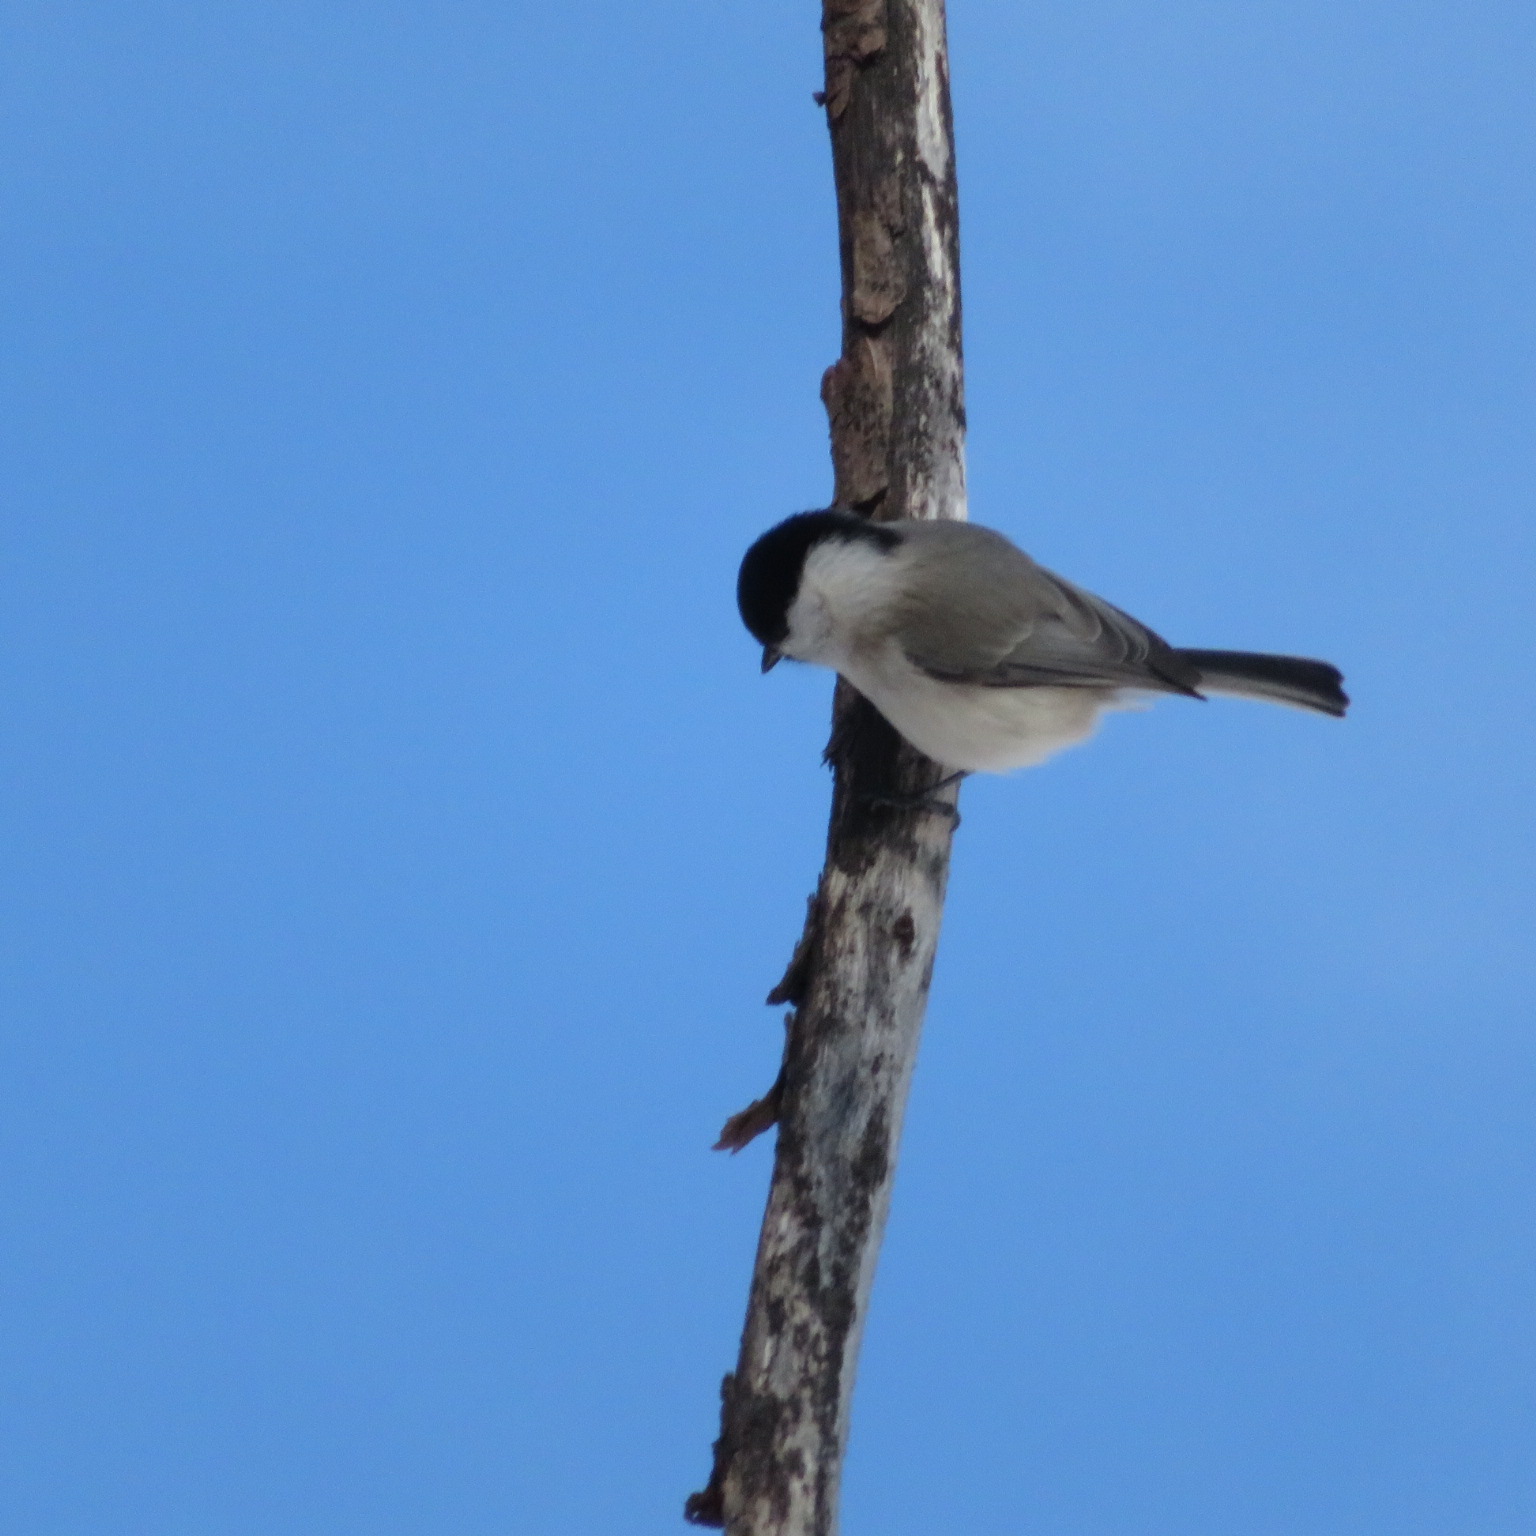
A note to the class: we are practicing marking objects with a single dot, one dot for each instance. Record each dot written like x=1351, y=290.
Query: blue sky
x=399, y=839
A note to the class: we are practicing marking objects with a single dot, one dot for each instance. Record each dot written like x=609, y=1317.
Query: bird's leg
x=926, y=801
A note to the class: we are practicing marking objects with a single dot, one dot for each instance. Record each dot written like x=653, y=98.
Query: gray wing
x=981, y=611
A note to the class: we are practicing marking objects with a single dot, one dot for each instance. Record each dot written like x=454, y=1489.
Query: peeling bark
x=858, y=981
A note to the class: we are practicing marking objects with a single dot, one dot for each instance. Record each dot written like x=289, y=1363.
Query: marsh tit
x=982, y=659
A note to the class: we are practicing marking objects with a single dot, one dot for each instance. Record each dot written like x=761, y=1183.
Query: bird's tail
x=1281, y=679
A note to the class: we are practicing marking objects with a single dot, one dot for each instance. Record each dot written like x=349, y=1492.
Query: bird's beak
x=771, y=658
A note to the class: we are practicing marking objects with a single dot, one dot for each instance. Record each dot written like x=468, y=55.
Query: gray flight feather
x=1023, y=626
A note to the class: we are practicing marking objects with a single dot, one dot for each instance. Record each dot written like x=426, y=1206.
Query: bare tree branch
x=859, y=978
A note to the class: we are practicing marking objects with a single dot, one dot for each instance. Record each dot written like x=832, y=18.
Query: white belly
x=982, y=730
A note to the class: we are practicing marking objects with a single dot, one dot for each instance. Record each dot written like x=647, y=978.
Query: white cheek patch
x=809, y=631
x=847, y=589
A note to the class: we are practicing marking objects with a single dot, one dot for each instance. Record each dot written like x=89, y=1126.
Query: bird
x=982, y=659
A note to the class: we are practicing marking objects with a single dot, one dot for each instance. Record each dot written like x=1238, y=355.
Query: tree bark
x=859, y=978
